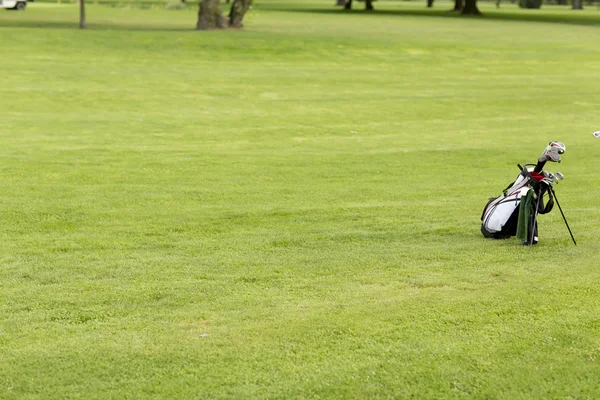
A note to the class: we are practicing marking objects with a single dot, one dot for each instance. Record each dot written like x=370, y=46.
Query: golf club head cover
x=556, y=147
x=554, y=157
x=552, y=153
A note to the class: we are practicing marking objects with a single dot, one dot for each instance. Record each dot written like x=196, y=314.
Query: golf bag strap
x=549, y=204
x=486, y=206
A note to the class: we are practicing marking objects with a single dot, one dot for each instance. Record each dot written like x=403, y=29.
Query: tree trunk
x=340, y=2
x=237, y=12
x=577, y=5
x=458, y=5
x=209, y=15
x=470, y=8
x=429, y=3
x=82, y=23
x=348, y=5
x=369, y=5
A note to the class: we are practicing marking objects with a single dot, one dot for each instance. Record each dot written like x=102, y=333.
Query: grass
x=292, y=210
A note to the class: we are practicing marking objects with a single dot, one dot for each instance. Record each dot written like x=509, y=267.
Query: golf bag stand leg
x=563, y=215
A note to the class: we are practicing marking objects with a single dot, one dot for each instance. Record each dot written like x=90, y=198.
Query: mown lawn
x=292, y=210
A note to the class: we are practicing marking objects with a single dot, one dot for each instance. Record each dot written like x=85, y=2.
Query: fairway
x=292, y=210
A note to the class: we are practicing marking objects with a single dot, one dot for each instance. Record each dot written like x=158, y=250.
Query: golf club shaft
x=539, y=166
x=563, y=215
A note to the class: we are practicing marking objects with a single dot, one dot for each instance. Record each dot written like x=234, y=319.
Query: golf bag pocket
x=500, y=215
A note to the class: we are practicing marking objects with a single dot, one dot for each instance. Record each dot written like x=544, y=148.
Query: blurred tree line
x=469, y=7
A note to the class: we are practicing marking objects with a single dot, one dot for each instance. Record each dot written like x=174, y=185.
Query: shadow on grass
x=525, y=15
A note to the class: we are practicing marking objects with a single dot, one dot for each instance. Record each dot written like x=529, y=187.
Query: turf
x=292, y=210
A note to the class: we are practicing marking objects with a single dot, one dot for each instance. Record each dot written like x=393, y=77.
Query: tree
x=237, y=12
x=577, y=5
x=429, y=3
x=368, y=5
x=470, y=8
x=82, y=24
x=210, y=14
x=458, y=5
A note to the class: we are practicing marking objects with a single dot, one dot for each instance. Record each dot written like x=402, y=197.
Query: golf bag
x=514, y=213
